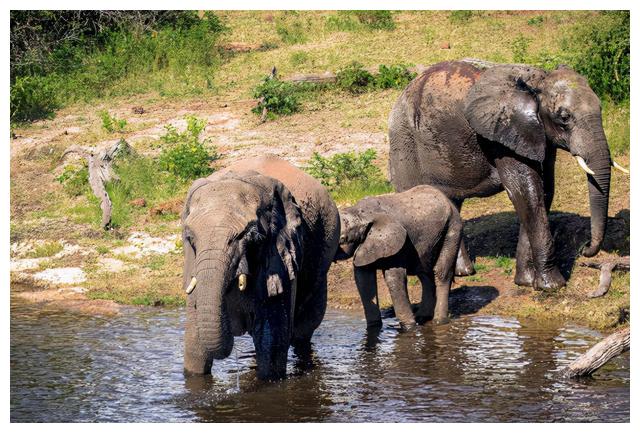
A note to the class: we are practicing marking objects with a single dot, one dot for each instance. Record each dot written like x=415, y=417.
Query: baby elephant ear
x=384, y=239
x=502, y=106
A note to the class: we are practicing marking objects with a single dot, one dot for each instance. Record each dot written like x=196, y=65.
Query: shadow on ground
x=497, y=235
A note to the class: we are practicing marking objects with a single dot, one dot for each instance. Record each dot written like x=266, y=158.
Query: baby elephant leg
x=444, y=269
x=428, y=304
x=368, y=289
x=396, y=279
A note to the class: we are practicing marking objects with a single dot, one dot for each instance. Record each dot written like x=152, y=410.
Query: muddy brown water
x=68, y=367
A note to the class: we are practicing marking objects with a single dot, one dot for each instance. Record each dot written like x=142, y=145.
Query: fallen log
x=99, y=162
x=612, y=346
x=620, y=264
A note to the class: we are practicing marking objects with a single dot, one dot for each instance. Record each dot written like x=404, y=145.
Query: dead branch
x=612, y=346
x=100, y=172
x=620, y=264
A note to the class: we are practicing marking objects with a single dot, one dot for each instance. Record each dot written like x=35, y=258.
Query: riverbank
x=60, y=252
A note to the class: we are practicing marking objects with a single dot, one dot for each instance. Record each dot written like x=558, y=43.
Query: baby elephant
x=415, y=232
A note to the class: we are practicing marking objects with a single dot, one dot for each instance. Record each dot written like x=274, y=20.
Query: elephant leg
x=525, y=272
x=396, y=279
x=310, y=310
x=444, y=269
x=271, y=337
x=368, y=288
x=428, y=303
x=525, y=188
x=464, y=265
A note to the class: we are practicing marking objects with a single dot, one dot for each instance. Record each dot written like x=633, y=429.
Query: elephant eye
x=564, y=115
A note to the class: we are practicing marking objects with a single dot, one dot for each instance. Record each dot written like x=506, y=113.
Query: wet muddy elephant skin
x=259, y=237
x=473, y=133
x=416, y=232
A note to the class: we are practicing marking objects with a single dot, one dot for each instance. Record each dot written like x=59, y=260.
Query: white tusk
x=584, y=165
x=192, y=285
x=619, y=167
x=242, y=282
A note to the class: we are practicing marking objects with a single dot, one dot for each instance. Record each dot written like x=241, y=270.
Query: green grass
x=507, y=264
x=46, y=249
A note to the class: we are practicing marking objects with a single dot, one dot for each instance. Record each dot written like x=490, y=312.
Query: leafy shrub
x=111, y=123
x=187, y=157
x=459, y=17
x=278, y=97
x=604, y=53
x=349, y=176
x=354, y=78
x=46, y=249
x=32, y=98
x=394, y=76
x=519, y=48
x=75, y=179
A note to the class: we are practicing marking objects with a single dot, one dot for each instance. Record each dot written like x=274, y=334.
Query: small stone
x=138, y=202
x=445, y=46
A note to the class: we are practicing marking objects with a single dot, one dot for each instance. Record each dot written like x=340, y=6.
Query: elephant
x=415, y=232
x=474, y=129
x=258, y=238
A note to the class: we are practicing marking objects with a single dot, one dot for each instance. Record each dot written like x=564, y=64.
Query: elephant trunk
x=598, y=160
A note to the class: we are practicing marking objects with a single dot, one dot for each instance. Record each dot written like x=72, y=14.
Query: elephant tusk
x=584, y=166
x=619, y=167
x=192, y=285
x=242, y=282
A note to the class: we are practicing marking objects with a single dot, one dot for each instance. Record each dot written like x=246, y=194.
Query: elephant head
x=527, y=109
x=368, y=237
x=242, y=237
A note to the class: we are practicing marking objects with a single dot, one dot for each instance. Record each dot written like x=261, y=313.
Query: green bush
x=349, y=176
x=75, y=179
x=111, y=123
x=59, y=57
x=278, y=97
x=603, y=54
x=393, y=77
x=535, y=21
x=354, y=78
x=32, y=98
x=459, y=17
x=519, y=47
x=186, y=156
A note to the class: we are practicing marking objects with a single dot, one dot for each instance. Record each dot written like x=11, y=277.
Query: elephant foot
x=441, y=321
x=525, y=276
x=373, y=325
x=549, y=281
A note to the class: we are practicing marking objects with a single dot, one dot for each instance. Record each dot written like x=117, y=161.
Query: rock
x=445, y=46
x=61, y=276
x=141, y=245
x=138, y=110
x=25, y=264
x=107, y=264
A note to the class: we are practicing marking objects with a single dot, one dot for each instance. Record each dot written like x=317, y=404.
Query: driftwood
x=100, y=172
x=620, y=264
x=612, y=346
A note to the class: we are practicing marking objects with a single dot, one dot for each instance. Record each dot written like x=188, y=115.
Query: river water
x=68, y=367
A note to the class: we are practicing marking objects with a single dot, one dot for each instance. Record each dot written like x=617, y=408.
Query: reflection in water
x=66, y=367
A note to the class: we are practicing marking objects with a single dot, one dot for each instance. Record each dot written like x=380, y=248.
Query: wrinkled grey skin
x=416, y=232
x=267, y=219
x=474, y=133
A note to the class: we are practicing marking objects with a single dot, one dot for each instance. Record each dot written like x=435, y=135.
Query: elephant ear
x=286, y=228
x=502, y=106
x=384, y=239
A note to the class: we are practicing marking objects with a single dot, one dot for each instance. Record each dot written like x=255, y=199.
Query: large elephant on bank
x=259, y=237
x=473, y=131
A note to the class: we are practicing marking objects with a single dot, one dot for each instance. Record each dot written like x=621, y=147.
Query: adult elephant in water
x=474, y=130
x=259, y=238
